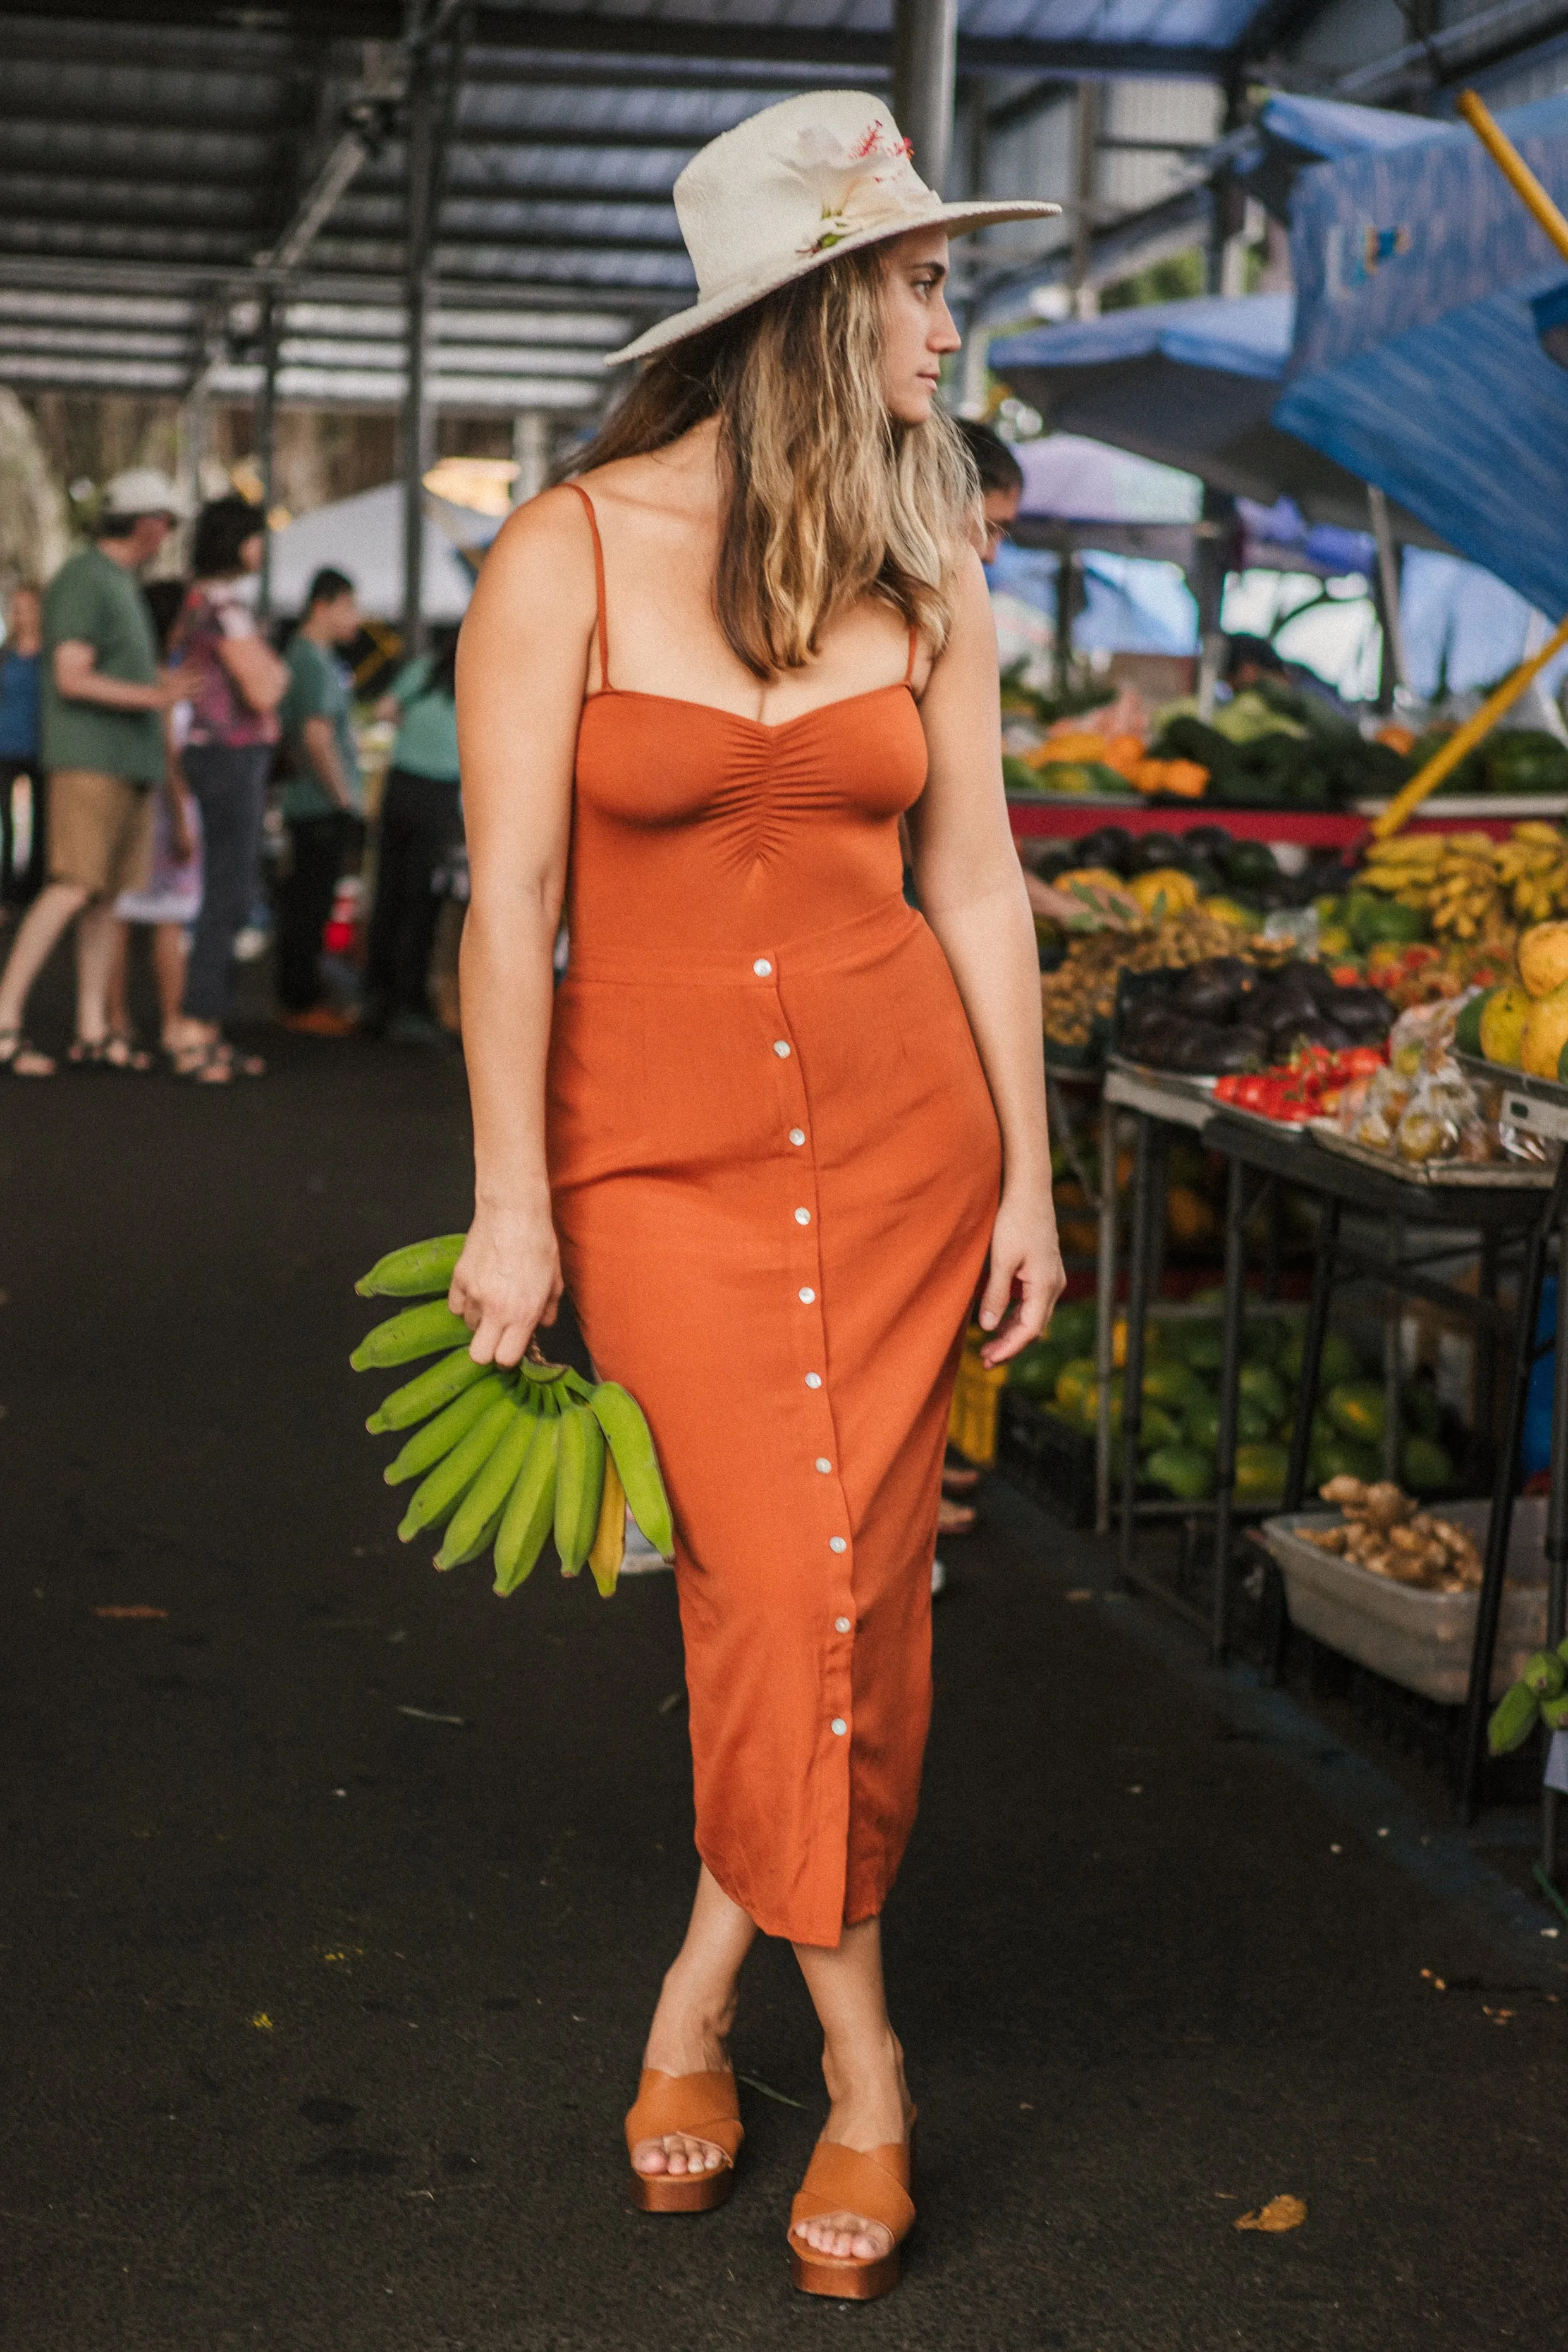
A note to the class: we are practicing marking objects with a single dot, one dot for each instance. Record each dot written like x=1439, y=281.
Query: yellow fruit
x=1178, y=890
x=1090, y=877
x=1543, y=960
x=1226, y=910
x=1502, y=1024
x=1545, y=1035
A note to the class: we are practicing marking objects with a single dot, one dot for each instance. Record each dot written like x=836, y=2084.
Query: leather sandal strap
x=872, y=2182
x=699, y=2106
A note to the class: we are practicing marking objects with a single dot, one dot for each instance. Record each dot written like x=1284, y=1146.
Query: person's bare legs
x=863, y=2066
x=118, y=1002
x=52, y=912
x=696, y=2009
x=98, y=942
x=171, y=953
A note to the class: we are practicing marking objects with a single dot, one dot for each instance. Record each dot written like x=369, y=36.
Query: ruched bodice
x=689, y=813
x=774, y=1168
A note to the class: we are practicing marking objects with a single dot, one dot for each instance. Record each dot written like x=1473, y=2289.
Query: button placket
x=805, y=1258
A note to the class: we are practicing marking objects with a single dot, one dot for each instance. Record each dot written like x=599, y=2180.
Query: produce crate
x=1050, y=1460
x=1420, y=1640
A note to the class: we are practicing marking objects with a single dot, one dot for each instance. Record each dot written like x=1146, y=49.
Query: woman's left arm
x=971, y=894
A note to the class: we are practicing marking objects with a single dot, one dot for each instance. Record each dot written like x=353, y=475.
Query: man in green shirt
x=103, y=744
x=321, y=799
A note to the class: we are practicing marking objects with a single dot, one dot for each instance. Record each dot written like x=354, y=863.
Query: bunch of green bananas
x=1541, y=1695
x=506, y=1457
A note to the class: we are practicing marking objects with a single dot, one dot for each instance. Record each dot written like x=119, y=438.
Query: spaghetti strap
x=599, y=584
x=914, y=648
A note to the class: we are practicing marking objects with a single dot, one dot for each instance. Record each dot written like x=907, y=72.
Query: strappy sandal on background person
x=687, y=2106
x=955, y=1518
x=20, y=1058
x=959, y=1477
x=875, y=2185
x=200, y=1064
x=113, y=1052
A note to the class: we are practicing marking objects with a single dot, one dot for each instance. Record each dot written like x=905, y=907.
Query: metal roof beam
x=103, y=173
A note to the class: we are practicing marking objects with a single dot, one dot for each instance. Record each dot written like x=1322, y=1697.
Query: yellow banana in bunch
x=1405, y=868
x=507, y=1457
x=1467, y=896
x=1533, y=864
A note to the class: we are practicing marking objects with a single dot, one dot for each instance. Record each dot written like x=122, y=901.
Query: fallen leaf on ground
x=129, y=1608
x=768, y=2092
x=261, y=2021
x=423, y=1715
x=1081, y=1594
x=1279, y=2214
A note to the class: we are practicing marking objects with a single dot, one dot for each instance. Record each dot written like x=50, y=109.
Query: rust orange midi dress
x=774, y=1166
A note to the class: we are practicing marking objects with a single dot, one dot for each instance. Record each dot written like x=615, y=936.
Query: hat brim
x=957, y=220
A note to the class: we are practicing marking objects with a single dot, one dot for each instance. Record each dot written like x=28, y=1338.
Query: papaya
x=1421, y=1410
x=1170, y=1382
x=1356, y=1410
x=1262, y=1338
x=1203, y=1346
x=1072, y=1382
x=1544, y=1674
x=1260, y=1472
x=1342, y=1458
x=1178, y=890
x=1036, y=1371
x=1202, y=1423
x=1183, y=1471
x=1468, y=1027
x=1512, y=1719
x=1425, y=1467
x=1090, y=1409
x=1543, y=958
x=1338, y=1362
x=1158, y=1427
x=1090, y=877
x=1546, y=1033
x=1503, y=1021
x=1260, y=1386
x=1073, y=1326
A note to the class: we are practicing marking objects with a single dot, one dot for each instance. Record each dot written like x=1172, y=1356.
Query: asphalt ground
x=322, y=2009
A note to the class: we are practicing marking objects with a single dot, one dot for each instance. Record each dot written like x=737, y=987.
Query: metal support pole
x=1086, y=164
x=925, y=42
x=1105, y=1295
x=267, y=439
x=416, y=436
x=1557, y=1542
x=1067, y=584
x=530, y=439
x=1229, y=1385
x=1388, y=583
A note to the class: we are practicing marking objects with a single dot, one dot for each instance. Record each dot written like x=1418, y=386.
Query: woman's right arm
x=521, y=668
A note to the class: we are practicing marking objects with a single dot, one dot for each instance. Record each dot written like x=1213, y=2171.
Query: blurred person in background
x=172, y=899
x=19, y=658
x=421, y=819
x=103, y=741
x=1001, y=482
x=321, y=798
x=233, y=684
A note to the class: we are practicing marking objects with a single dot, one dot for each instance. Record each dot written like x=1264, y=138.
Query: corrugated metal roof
x=153, y=153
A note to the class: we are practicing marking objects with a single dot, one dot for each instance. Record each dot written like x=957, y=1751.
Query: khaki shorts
x=100, y=832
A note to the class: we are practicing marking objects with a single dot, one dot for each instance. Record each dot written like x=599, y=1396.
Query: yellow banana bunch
x=506, y=1457
x=1532, y=865
x=1404, y=868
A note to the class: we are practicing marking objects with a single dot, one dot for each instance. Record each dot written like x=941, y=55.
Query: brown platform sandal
x=873, y=2182
x=699, y=2107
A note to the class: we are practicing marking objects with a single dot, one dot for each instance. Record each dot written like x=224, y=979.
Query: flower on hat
x=857, y=182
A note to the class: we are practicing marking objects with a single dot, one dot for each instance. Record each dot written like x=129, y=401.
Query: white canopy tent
x=363, y=535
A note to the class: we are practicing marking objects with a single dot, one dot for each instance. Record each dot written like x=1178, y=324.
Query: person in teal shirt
x=421, y=822
x=321, y=798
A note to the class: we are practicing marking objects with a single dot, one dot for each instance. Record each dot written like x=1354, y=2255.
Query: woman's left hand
x=1025, y=1278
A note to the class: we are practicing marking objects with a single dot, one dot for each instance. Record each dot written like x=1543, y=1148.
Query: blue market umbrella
x=1418, y=361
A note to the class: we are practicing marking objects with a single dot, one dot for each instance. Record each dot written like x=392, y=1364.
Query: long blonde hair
x=831, y=500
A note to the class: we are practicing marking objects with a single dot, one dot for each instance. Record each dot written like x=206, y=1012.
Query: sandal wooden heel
x=699, y=2107
x=875, y=2183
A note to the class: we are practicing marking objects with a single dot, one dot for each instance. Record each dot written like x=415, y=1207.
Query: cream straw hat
x=792, y=188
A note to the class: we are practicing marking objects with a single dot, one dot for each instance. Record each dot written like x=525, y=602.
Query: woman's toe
x=648, y=2156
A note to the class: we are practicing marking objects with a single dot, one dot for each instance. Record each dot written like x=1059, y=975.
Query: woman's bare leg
x=118, y=994
x=863, y=2066
x=696, y=2009
x=171, y=952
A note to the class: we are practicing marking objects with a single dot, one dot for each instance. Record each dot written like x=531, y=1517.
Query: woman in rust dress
x=774, y=1123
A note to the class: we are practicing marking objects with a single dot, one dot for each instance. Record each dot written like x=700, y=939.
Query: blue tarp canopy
x=1191, y=384
x=1417, y=361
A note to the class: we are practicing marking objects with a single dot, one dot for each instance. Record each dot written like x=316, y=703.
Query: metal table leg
x=1391, y=1360
x=1477, y=1701
x=1146, y=1207
x=1556, y=1543
x=1230, y=1371
x=1302, y=1433
x=1105, y=1308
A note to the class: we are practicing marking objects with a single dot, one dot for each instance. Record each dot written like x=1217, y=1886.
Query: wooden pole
x=1514, y=169
x=1443, y=762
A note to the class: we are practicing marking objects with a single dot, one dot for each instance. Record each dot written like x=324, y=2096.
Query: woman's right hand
x=507, y=1283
